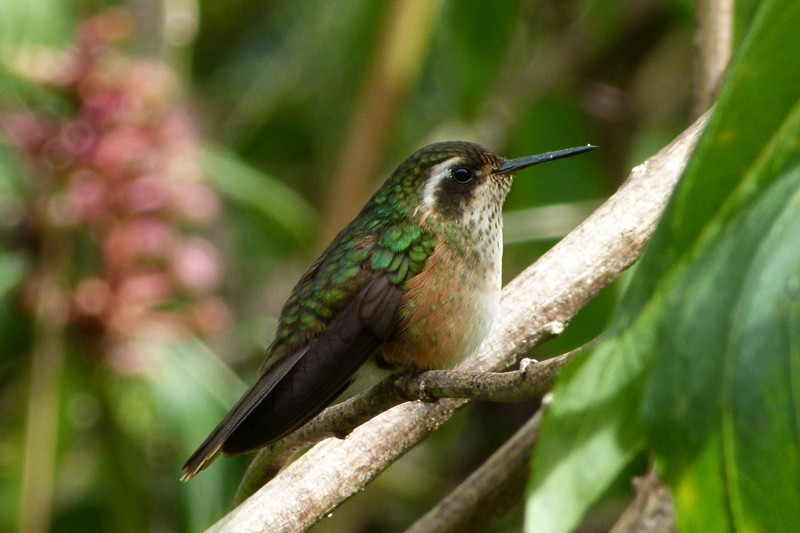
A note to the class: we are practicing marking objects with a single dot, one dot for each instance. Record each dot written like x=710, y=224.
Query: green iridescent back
x=383, y=238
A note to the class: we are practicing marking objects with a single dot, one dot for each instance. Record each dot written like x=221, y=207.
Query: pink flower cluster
x=122, y=167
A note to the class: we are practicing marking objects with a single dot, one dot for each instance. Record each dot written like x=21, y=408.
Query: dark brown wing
x=300, y=385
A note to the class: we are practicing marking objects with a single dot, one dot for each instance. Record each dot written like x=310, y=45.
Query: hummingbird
x=412, y=283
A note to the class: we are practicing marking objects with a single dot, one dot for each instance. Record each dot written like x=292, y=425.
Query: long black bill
x=514, y=165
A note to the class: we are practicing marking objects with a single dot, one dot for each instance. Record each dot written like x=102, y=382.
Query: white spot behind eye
x=439, y=173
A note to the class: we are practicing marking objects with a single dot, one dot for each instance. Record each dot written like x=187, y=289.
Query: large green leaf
x=702, y=361
x=723, y=381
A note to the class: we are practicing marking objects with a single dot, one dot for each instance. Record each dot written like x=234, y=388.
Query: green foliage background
x=275, y=88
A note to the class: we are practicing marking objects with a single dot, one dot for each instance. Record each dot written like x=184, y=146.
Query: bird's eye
x=463, y=175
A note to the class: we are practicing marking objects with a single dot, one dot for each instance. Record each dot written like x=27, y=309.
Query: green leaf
x=12, y=269
x=702, y=361
x=581, y=450
x=15, y=328
x=44, y=22
x=724, y=375
x=265, y=195
x=25, y=28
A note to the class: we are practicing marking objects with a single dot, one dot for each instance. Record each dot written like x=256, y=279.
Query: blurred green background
x=168, y=169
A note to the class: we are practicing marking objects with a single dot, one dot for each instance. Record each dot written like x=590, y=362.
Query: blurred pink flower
x=144, y=194
x=88, y=193
x=131, y=243
x=197, y=266
x=194, y=202
x=92, y=296
x=124, y=170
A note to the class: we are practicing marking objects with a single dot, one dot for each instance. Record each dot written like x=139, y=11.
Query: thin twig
x=713, y=47
x=537, y=304
x=531, y=381
x=489, y=492
x=653, y=509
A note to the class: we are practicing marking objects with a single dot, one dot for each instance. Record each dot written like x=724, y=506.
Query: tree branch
x=537, y=304
x=531, y=381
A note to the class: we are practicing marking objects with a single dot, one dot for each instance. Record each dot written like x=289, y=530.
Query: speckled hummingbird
x=412, y=283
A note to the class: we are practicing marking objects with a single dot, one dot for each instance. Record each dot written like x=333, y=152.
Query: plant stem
x=47, y=361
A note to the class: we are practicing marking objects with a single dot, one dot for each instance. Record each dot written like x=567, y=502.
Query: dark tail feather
x=310, y=386
x=325, y=369
x=287, y=396
x=303, y=383
x=211, y=447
